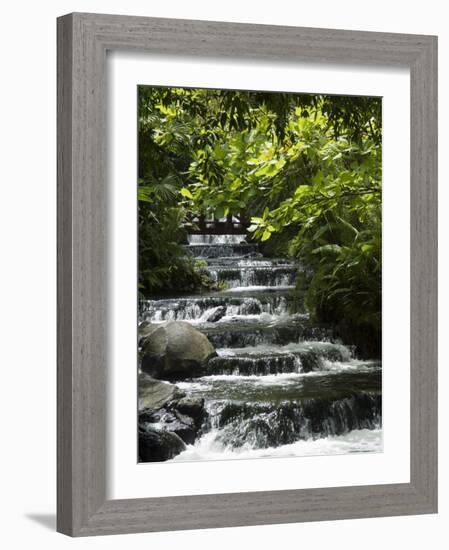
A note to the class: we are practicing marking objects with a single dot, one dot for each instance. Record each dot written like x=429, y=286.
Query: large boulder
x=176, y=351
x=145, y=329
x=154, y=394
x=156, y=445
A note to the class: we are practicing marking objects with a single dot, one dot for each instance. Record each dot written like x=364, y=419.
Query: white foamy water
x=356, y=441
x=352, y=365
x=264, y=349
x=216, y=239
x=266, y=379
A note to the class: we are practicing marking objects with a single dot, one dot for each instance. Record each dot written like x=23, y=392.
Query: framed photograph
x=247, y=279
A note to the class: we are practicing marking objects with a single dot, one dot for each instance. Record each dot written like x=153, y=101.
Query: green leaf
x=218, y=152
x=327, y=248
x=235, y=184
x=266, y=235
x=318, y=177
x=348, y=225
x=321, y=231
x=186, y=193
x=301, y=190
x=253, y=228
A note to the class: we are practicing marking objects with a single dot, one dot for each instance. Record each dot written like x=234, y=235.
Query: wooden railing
x=231, y=225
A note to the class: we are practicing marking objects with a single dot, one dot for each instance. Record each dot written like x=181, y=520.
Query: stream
x=280, y=385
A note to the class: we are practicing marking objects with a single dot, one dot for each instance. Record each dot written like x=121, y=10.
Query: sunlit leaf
x=186, y=193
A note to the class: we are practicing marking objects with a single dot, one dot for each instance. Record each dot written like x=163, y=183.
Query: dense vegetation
x=305, y=169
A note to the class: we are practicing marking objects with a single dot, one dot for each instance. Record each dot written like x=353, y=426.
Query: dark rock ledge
x=167, y=419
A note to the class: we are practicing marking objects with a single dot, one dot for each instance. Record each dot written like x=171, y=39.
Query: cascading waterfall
x=280, y=384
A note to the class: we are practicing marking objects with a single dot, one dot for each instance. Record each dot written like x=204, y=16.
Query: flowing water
x=280, y=384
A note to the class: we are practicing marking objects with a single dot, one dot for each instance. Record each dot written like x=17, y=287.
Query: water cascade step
x=264, y=425
x=300, y=358
x=274, y=301
x=242, y=331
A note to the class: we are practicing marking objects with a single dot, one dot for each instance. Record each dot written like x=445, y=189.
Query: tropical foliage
x=305, y=169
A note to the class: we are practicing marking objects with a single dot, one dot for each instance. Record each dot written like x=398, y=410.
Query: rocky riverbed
x=244, y=372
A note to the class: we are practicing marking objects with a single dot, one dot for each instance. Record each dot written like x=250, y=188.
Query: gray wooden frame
x=83, y=40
